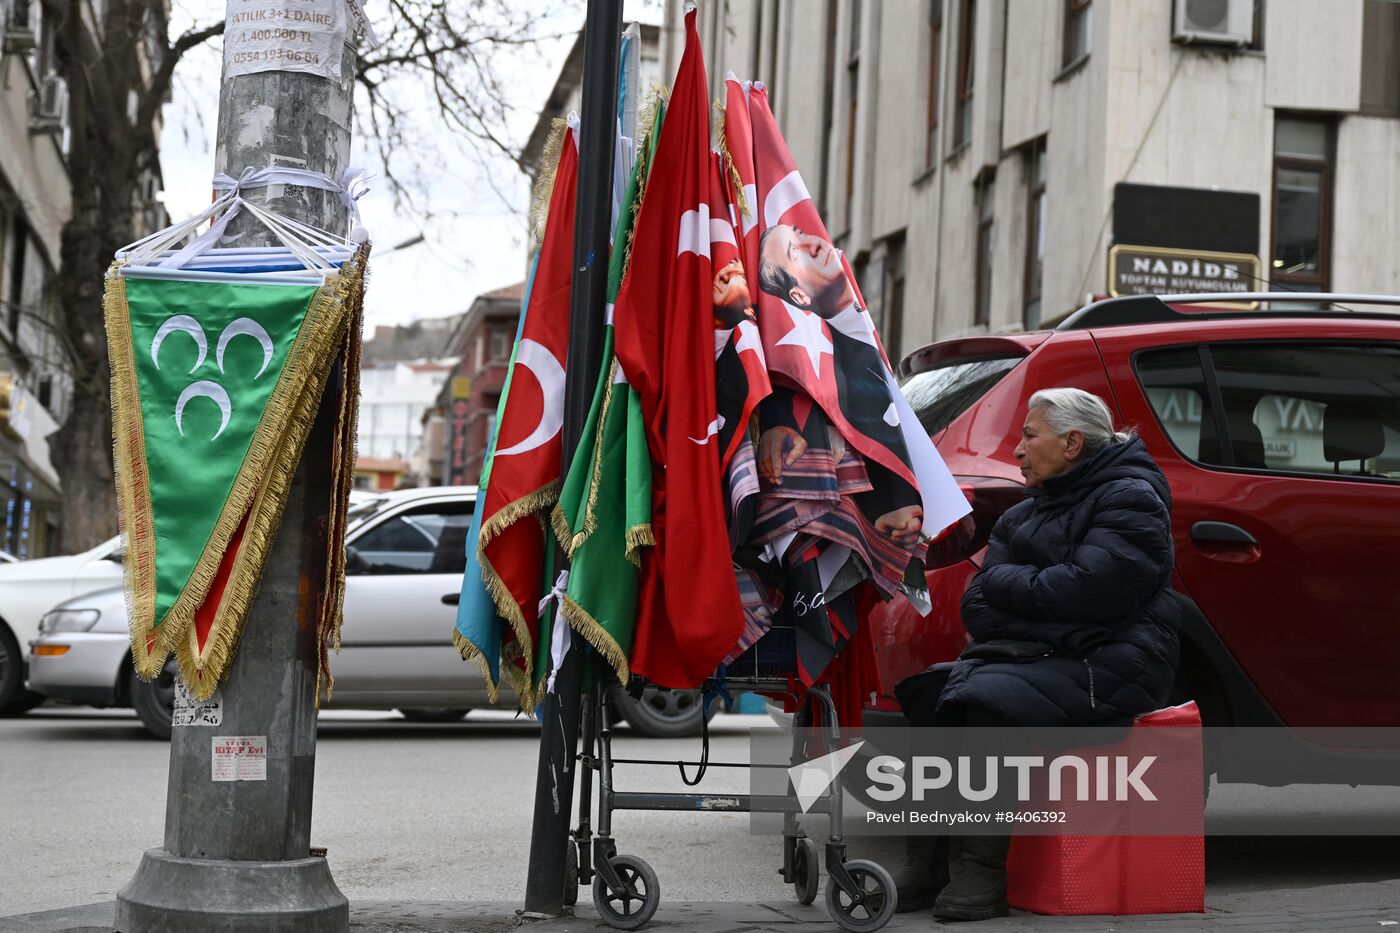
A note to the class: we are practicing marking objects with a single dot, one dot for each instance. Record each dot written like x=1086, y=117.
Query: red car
x=1279, y=432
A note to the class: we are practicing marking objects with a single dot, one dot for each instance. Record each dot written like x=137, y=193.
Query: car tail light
x=990, y=497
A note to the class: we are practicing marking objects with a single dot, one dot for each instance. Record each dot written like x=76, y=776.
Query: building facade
x=35, y=203
x=988, y=165
x=394, y=395
x=466, y=404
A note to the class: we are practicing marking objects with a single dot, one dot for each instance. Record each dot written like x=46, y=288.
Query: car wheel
x=434, y=715
x=154, y=700
x=11, y=668
x=660, y=713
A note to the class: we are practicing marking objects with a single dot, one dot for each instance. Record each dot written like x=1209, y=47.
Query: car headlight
x=68, y=620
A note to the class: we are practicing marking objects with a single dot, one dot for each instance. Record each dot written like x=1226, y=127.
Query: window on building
x=853, y=108
x=986, y=195
x=1035, y=232
x=1256, y=44
x=828, y=109
x=1380, y=61
x=19, y=243
x=500, y=344
x=893, y=330
x=935, y=36
x=967, y=43
x=1077, y=33
x=1303, y=164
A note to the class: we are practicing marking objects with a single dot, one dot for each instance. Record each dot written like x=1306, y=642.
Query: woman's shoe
x=977, y=890
x=922, y=874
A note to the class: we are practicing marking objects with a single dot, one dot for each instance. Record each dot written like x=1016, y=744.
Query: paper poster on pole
x=192, y=712
x=239, y=758
x=285, y=35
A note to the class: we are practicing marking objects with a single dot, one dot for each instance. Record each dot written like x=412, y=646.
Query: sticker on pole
x=239, y=758
x=285, y=35
x=191, y=712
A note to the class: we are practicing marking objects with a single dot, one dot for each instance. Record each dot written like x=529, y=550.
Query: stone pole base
x=178, y=895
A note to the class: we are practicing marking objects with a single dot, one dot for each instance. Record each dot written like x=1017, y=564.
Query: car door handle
x=451, y=599
x=1221, y=533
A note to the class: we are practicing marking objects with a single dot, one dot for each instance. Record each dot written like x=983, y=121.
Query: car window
x=1176, y=389
x=941, y=394
x=1328, y=409
x=427, y=539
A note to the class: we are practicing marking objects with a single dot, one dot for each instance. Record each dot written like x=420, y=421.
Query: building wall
x=1138, y=108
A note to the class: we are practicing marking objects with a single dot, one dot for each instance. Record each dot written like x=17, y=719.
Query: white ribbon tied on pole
x=561, y=638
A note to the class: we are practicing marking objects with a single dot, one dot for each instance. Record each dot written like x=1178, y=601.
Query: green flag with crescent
x=214, y=388
x=604, y=513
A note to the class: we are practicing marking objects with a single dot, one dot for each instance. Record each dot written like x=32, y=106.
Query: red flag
x=738, y=134
x=741, y=375
x=524, y=481
x=814, y=332
x=690, y=615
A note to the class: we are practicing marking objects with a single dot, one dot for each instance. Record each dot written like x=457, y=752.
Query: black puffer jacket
x=1085, y=565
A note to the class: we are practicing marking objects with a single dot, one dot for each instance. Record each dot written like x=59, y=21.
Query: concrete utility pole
x=237, y=854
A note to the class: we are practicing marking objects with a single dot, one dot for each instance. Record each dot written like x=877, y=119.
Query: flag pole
x=554, y=781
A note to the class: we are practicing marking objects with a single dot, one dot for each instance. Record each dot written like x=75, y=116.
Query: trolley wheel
x=571, y=874
x=631, y=907
x=877, y=903
x=806, y=874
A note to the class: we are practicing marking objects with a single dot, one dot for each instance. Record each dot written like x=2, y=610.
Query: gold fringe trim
x=638, y=537
x=559, y=524
x=741, y=203
x=590, y=507
x=544, y=181
x=471, y=652
x=132, y=481
x=261, y=488
x=533, y=503
x=582, y=621
x=526, y=693
x=643, y=166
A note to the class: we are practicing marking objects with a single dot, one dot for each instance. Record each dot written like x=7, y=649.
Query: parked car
x=1279, y=432
x=30, y=588
x=405, y=555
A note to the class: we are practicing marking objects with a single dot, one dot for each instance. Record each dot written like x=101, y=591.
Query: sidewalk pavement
x=1344, y=908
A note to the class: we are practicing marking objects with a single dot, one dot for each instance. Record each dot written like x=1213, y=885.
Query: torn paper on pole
x=285, y=35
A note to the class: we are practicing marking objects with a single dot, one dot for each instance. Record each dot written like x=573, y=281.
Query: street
x=442, y=813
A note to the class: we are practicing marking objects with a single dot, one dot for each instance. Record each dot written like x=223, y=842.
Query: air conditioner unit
x=48, y=107
x=18, y=25
x=1213, y=22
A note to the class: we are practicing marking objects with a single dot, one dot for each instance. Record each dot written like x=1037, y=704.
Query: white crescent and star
x=204, y=389
x=537, y=358
x=240, y=327
x=694, y=233
x=180, y=323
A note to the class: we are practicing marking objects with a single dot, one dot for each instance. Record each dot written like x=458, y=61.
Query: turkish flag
x=690, y=615
x=524, y=479
x=741, y=374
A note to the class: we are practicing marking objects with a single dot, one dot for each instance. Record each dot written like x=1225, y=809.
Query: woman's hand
x=779, y=448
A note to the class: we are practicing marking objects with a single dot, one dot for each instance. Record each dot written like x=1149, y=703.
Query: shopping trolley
x=860, y=894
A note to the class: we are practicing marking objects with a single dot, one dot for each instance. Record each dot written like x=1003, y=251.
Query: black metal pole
x=554, y=782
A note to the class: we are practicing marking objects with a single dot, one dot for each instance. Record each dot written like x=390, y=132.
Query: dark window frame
x=935, y=34
x=1321, y=281
x=1075, y=12
x=896, y=278
x=986, y=220
x=1034, y=272
x=967, y=73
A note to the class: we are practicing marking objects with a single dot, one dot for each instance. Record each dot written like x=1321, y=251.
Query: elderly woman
x=1077, y=576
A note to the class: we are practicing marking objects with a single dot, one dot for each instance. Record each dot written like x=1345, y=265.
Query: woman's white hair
x=1069, y=409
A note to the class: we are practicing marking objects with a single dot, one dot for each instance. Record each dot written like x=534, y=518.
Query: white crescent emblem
x=537, y=359
x=180, y=322
x=206, y=389
x=782, y=196
x=250, y=327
